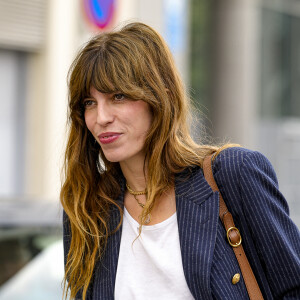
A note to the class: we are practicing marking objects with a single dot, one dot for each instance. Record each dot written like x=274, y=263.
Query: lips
x=108, y=137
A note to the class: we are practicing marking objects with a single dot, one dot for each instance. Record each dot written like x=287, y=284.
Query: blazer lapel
x=197, y=213
x=105, y=275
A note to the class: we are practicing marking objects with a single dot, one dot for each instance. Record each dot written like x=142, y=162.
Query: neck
x=134, y=173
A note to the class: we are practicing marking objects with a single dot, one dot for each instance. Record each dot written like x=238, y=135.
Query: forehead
x=95, y=93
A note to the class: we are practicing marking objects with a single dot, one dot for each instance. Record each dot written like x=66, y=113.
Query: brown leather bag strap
x=233, y=235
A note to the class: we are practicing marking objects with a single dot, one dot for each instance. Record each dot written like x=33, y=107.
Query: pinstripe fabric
x=271, y=241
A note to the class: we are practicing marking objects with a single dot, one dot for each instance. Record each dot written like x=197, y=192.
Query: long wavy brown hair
x=136, y=61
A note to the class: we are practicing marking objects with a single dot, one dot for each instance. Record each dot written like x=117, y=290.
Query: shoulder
x=239, y=155
x=236, y=162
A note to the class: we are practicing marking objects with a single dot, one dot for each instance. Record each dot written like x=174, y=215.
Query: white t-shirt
x=150, y=267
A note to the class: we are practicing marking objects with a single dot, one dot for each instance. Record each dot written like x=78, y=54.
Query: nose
x=104, y=113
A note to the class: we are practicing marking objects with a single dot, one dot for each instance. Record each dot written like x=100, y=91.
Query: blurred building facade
x=239, y=58
x=250, y=84
x=38, y=42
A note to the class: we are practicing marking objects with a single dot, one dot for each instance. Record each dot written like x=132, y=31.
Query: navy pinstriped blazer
x=271, y=240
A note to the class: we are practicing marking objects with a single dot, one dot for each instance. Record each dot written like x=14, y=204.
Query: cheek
x=88, y=121
x=146, y=116
x=149, y=120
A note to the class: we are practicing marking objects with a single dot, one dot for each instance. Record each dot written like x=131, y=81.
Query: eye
x=119, y=97
x=88, y=102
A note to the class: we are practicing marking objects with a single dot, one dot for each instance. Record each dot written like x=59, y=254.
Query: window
x=280, y=65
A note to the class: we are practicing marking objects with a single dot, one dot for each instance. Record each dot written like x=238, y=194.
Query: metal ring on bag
x=229, y=240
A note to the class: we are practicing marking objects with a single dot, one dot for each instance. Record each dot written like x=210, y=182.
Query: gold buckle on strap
x=234, y=244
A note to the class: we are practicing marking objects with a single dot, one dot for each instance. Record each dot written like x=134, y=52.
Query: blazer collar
x=197, y=214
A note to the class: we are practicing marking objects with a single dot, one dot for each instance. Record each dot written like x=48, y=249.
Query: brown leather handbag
x=233, y=235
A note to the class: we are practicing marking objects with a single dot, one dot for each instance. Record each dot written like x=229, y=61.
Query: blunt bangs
x=110, y=72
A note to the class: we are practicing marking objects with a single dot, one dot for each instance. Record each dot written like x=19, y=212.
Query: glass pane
x=280, y=65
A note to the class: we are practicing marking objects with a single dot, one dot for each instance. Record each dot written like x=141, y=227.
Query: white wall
x=8, y=121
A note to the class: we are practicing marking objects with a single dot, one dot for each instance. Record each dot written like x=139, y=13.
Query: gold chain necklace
x=138, y=193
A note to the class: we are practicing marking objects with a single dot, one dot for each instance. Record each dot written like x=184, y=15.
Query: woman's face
x=118, y=124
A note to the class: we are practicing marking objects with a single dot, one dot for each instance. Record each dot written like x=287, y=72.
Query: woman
x=140, y=220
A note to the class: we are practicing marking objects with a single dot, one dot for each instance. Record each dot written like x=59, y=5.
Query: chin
x=114, y=157
x=113, y=160
x=120, y=155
